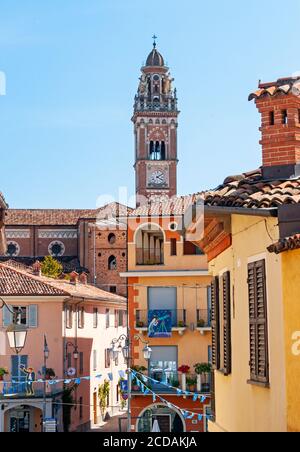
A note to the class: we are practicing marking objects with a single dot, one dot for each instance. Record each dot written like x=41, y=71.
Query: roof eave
x=256, y=212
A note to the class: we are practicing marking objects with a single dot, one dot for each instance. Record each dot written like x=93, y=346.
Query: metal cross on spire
x=154, y=37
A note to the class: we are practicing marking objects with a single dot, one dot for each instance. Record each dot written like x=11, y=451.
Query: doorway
x=20, y=421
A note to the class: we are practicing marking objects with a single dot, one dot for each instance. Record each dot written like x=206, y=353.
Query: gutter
x=272, y=212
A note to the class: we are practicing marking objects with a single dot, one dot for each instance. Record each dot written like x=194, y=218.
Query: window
x=189, y=249
x=81, y=363
x=107, y=318
x=112, y=239
x=113, y=289
x=259, y=353
x=164, y=298
x=13, y=249
x=95, y=318
x=56, y=249
x=26, y=315
x=112, y=263
x=69, y=317
x=107, y=358
x=163, y=365
x=81, y=318
x=80, y=408
x=272, y=118
x=284, y=117
x=173, y=247
x=121, y=318
x=94, y=360
x=157, y=150
x=116, y=318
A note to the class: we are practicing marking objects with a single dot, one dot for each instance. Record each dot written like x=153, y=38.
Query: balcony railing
x=149, y=256
x=9, y=390
x=203, y=318
x=169, y=382
x=178, y=318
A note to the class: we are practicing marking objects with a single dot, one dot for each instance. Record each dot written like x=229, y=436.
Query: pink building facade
x=79, y=322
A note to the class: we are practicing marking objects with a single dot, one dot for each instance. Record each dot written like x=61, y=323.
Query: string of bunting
x=195, y=395
x=186, y=414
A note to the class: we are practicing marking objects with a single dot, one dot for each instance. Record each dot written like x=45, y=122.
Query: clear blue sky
x=72, y=71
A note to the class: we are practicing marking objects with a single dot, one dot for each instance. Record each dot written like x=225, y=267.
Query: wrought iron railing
x=22, y=389
x=178, y=318
x=203, y=318
x=149, y=256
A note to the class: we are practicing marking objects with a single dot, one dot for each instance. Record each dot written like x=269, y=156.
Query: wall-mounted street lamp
x=16, y=333
x=123, y=345
x=75, y=350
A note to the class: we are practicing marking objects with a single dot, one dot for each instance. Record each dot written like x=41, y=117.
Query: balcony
x=19, y=390
x=179, y=323
x=149, y=256
x=168, y=382
x=203, y=321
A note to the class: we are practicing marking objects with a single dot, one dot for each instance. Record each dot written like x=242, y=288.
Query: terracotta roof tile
x=174, y=206
x=21, y=282
x=287, y=244
x=281, y=86
x=249, y=190
x=63, y=217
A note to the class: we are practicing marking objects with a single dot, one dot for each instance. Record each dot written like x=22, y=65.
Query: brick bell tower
x=155, y=127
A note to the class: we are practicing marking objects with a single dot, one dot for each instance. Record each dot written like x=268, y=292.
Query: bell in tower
x=155, y=125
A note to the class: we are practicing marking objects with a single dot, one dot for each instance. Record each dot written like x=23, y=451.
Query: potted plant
x=3, y=372
x=181, y=324
x=201, y=323
x=191, y=383
x=184, y=369
x=203, y=369
x=50, y=374
x=139, y=370
x=175, y=383
x=140, y=324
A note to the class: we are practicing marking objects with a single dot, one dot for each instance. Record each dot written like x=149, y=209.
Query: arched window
x=112, y=263
x=112, y=239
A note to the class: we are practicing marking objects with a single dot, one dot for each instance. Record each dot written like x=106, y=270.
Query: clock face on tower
x=157, y=177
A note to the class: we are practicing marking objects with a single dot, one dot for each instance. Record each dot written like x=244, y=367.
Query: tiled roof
x=174, y=206
x=21, y=282
x=281, y=86
x=287, y=244
x=23, y=263
x=59, y=217
x=249, y=190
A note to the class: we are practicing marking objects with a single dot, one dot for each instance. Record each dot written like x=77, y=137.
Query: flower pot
x=1, y=377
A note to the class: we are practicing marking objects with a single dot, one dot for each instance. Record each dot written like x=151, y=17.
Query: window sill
x=259, y=384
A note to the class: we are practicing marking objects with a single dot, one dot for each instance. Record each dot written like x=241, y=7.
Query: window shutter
x=213, y=397
x=7, y=317
x=116, y=318
x=33, y=316
x=215, y=323
x=227, y=324
x=258, y=324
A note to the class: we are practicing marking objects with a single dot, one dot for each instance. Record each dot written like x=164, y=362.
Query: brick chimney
x=279, y=106
x=83, y=278
x=74, y=277
x=37, y=268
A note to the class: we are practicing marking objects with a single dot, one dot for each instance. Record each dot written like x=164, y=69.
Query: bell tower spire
x=155, y=121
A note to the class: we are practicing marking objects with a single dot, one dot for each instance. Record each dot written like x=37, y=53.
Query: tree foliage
x=51, y=267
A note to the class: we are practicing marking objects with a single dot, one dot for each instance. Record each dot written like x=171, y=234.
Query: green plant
x=3, y=371
x=51, y=267
x=201, y=323
x=50, y=373
x=103, y=393
x=68, y=404
x=123, y=402
x=140, y=324
x=181, y=324
x=202, y=368
x=175, y=383
x=191, y=381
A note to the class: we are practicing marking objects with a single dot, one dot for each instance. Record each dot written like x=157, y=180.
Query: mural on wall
x=30, y=379
x=160, y=324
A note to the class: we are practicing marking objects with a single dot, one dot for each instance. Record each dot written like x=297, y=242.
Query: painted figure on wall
x=30, y=379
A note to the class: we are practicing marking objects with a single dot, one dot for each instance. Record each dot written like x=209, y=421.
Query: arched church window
x=112, y=239
x=112, y=263
x=13, y=249
x=56, y=249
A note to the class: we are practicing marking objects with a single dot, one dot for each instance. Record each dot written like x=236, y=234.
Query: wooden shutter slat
x=227, y=358
x=259, y=359
x=215, y=323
